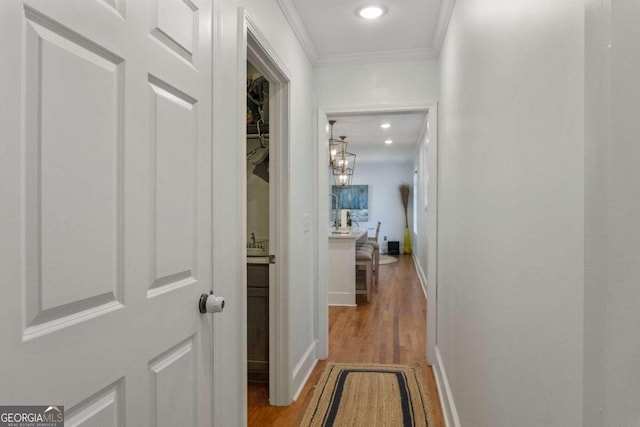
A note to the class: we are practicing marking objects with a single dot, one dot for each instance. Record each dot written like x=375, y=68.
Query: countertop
x=354, y=233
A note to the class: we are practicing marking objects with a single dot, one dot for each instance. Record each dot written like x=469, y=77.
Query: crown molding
x=299, y=29
x=444, y=16
x=377, y=56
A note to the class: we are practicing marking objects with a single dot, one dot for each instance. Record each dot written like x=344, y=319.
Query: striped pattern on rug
x=369, y=395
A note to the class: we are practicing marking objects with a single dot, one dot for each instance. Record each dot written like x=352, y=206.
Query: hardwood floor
x=391, y=328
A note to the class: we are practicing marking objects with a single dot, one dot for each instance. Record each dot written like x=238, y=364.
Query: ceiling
x=331, y=33
x=366, y=138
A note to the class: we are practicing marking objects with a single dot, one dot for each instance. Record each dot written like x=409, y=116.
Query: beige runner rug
x=369, y=395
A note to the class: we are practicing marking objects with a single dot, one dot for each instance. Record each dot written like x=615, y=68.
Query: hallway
x=390, y=329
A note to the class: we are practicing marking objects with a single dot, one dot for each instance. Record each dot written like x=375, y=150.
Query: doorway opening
x=258, y=225
x=265, y=131
x=427, y=184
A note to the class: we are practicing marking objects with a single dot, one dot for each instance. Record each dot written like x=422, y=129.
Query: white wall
x=510, y=238
x=612, y=215
x=229, y=195
x=385, y=204
x=384, y=83
x=257, y=206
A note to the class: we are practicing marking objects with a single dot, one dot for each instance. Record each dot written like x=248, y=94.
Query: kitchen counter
x=352, y=233
x=258, y=259
x=342, y=265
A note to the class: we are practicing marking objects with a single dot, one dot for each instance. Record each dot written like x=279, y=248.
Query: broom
x=404, y=195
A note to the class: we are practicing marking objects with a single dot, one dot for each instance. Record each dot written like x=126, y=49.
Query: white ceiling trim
x=446, y=9
x=377, y=56
x=358, y=109
x=299, y=29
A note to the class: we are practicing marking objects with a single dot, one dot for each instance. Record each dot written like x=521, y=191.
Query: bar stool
x=375, y=259
x=373, y=241
x=364, y=258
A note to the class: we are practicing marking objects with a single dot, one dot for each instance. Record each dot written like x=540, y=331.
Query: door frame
x=432, y=231
x=322, y=246
x=254, y=47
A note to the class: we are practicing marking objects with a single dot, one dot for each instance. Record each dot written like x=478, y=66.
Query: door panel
x=173, y=130
x=173, y=381
x=175, y=25
x=64, y=68
x=105, y=221
x=104, y=408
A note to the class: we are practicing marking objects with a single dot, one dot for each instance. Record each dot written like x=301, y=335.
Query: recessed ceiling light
x=372, y=12
x=385, y=126
x=388, y=141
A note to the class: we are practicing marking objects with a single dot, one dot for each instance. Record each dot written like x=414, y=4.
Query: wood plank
x=391, y=328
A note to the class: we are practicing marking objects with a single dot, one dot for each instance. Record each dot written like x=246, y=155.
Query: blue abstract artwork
x=355, y=198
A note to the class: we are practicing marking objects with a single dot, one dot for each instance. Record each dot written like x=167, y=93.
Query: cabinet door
x=258, y=333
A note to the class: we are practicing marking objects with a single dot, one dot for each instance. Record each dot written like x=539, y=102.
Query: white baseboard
x=447, y=404
x=421, y=275
x=342, y=298
x=303, y=370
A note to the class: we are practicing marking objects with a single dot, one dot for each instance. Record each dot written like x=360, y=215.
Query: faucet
x=335, y=210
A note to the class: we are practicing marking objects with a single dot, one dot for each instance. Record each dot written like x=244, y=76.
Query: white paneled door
x=105, y=214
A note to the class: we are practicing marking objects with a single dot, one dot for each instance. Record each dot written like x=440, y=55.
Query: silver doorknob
x=210, y=303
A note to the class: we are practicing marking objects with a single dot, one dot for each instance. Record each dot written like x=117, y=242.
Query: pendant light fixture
x=341, y=162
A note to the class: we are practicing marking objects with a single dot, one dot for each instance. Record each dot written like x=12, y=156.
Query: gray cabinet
x=258, y=322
